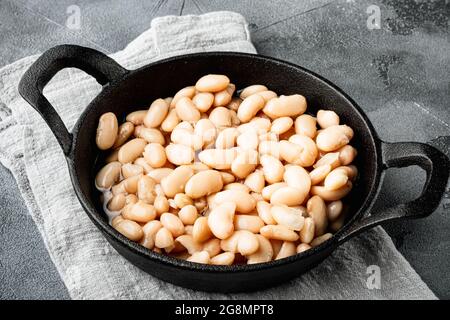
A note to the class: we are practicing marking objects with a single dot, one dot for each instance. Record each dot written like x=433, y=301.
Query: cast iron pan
x=125, y=90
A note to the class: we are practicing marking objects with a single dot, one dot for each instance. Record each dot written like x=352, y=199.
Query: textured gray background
x=398, y=74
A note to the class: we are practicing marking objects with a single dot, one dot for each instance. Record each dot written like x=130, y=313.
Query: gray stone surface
x=399, y=75
x=26, y=271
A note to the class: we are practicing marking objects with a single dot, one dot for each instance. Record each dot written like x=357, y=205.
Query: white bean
x=204, y=183
x=261, y=124
x=334, y=210
x=155, y=155
x=334, y=137
x=272, y=168
x=218, y=158
x=199, y=257
x=306, y=125
x=212, y=246
x=203, y=101
x=244, y=202
x=129, y=229
x=248, y=222
x=198, y=167
x=146, y=189
x=150, y=229
x=297, y=177
x=172, y=223
x=264, y=252
x=327, y=118
x=222, y=98
x=244, y=163
x=171, y=121
x=108, y=175
x=331, y=159
x=163, y=238
x=336, y=179
x=281, y=125
x=117, y=202
x=125, y=131
x=267, y=95
x=288, y=196
x=332, y=195
x=137, y=117
x=212, y=83
x=279, y=232
x=131, y=150
x=189, y=243
x=319, y=240
x=318, y=174
x=179, y=154
x=289, y=217
x=220, y=220
x=185, y=92
x=159, y=174
x=207, y=130
x=188, y=214
x=264, y=212
x=140, y=212
x=182, y=136
x=270, y=189
x=237, y=186
x=176, y=180
x=156, y=113
x=309, y=151
x=221, y=117
x=269, y=147
x=285, y=106
x=224, y=259
x=249, y=107
x=248, y=140
x=250, y=90
x=150, y=135
x=287, y=249
x=226, y=139
x=161, y=204
x=247, y=243
x=144, y=164
x=347, y=154
x=308, y=231
x=255, y=181
x=201, y=230
x=186, y=110
x=230, y=244
x=130, y=170
x=317, y=210
x=227, y=177
x=107, y=131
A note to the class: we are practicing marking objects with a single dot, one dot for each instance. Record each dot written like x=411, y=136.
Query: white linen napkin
x=88, y=265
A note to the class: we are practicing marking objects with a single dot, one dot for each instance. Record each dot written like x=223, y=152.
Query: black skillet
x=125, y=90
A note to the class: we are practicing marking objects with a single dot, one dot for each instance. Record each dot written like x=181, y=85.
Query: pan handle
x=100, y=66
x=403, y=154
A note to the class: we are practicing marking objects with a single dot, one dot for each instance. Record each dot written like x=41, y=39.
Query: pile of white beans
x=216, y=178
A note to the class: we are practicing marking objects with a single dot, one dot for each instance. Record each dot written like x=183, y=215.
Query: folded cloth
x=88, y=265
